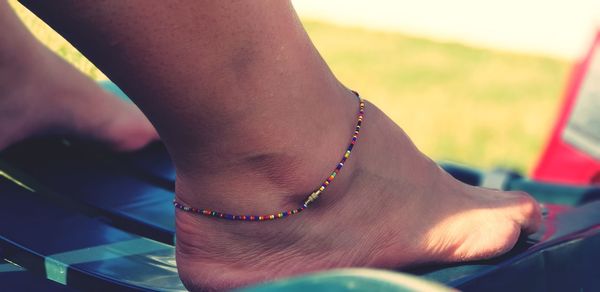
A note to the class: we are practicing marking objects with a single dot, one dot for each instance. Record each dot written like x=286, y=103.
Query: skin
x=254, y=120
x=40, y=94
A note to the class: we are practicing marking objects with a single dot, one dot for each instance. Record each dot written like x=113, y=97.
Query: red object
x=562, y=161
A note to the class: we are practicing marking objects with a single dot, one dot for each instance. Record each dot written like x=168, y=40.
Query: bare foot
x=41, y=94
x=390, y=207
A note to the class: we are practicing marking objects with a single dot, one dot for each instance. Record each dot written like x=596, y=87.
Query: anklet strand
x=311, y=198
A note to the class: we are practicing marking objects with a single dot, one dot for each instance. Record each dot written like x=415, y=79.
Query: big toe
x=518, y=215
x=526, y=211
x=131, y=133
x=482, y=233
x=127, y=130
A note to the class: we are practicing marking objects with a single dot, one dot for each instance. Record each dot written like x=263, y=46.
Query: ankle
x=276, y=178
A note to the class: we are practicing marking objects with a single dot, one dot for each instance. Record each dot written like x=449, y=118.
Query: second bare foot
x=41, y=94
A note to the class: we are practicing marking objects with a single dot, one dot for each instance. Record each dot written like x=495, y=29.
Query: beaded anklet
x=311, y=198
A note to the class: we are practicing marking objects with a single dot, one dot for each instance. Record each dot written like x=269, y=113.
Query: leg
x=255, y=120
x=42, y=94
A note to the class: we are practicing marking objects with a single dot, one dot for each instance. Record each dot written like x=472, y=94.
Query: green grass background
x=476, y=106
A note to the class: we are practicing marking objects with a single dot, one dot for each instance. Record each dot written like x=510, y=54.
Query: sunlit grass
x=55, y=42
x=476, y=106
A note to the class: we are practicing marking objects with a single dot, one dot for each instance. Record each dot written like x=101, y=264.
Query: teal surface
x=351, y=280
x=114, y=89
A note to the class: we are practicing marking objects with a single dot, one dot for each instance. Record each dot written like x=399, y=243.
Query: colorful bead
x=311, y=198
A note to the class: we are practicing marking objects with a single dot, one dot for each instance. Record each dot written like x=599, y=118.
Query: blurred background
x=474, y=82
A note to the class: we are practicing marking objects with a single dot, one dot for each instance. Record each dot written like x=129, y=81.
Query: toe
x=131, y=135
x=527, y=212
x=128, y=129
